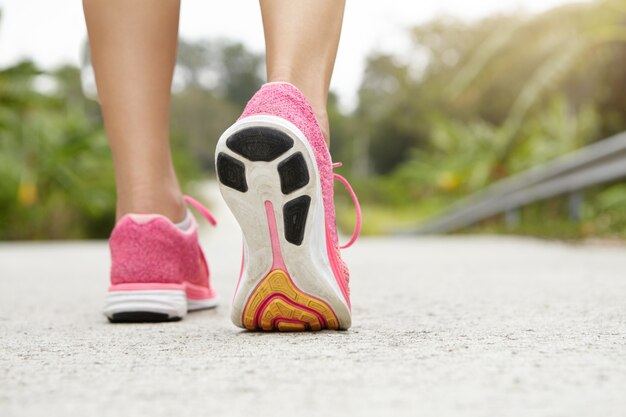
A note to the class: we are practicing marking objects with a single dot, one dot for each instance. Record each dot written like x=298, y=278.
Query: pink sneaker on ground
x=158, y=270
x=275, y=173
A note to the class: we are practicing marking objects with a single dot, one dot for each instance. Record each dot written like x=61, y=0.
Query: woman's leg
x=301, y=40
x=133, y=49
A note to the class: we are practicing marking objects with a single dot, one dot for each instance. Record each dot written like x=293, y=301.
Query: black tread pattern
x=259, y=143
x=293, y=173
x=231, y=172
x=294, y=217
x=141, y=317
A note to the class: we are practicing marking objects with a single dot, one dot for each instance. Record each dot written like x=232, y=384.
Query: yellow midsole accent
x=277, y=282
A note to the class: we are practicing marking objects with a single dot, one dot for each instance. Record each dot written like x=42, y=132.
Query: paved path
x=445, y=326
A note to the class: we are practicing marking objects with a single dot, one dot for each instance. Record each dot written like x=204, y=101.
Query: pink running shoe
x=158, y=271
x=275, y=174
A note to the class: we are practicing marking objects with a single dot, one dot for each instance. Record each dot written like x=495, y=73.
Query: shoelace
x=357, y=206
x=203, y=210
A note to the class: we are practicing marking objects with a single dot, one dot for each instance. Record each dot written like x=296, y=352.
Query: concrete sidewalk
x=444, y=326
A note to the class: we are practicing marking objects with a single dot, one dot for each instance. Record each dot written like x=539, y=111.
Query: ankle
x=168, y=203
x=314, y=91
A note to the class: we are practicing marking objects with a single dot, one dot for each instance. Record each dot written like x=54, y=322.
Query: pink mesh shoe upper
x=286, y=101
x=151, y=249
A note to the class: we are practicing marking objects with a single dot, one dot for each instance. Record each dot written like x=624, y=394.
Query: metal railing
x=601, y=162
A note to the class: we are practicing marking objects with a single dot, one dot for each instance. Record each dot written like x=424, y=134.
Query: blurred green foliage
x=55, y=168
x=468, y=104
x=475, y=102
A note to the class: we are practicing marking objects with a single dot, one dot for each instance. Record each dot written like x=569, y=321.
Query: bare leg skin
x=133, y=49
x=301, y=41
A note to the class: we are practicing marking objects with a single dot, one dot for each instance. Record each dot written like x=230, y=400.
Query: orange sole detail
x=277, y=304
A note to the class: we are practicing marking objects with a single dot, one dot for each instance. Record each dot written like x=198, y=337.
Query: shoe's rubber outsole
x=287, y=283
x=276, y=304
x=153, y=305
x=141, y=317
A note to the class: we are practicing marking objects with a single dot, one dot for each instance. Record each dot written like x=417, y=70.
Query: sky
x=51, y=32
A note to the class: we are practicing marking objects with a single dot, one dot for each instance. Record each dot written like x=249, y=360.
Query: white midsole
x=308, y=263
x=174, y=303
x=193, y=304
